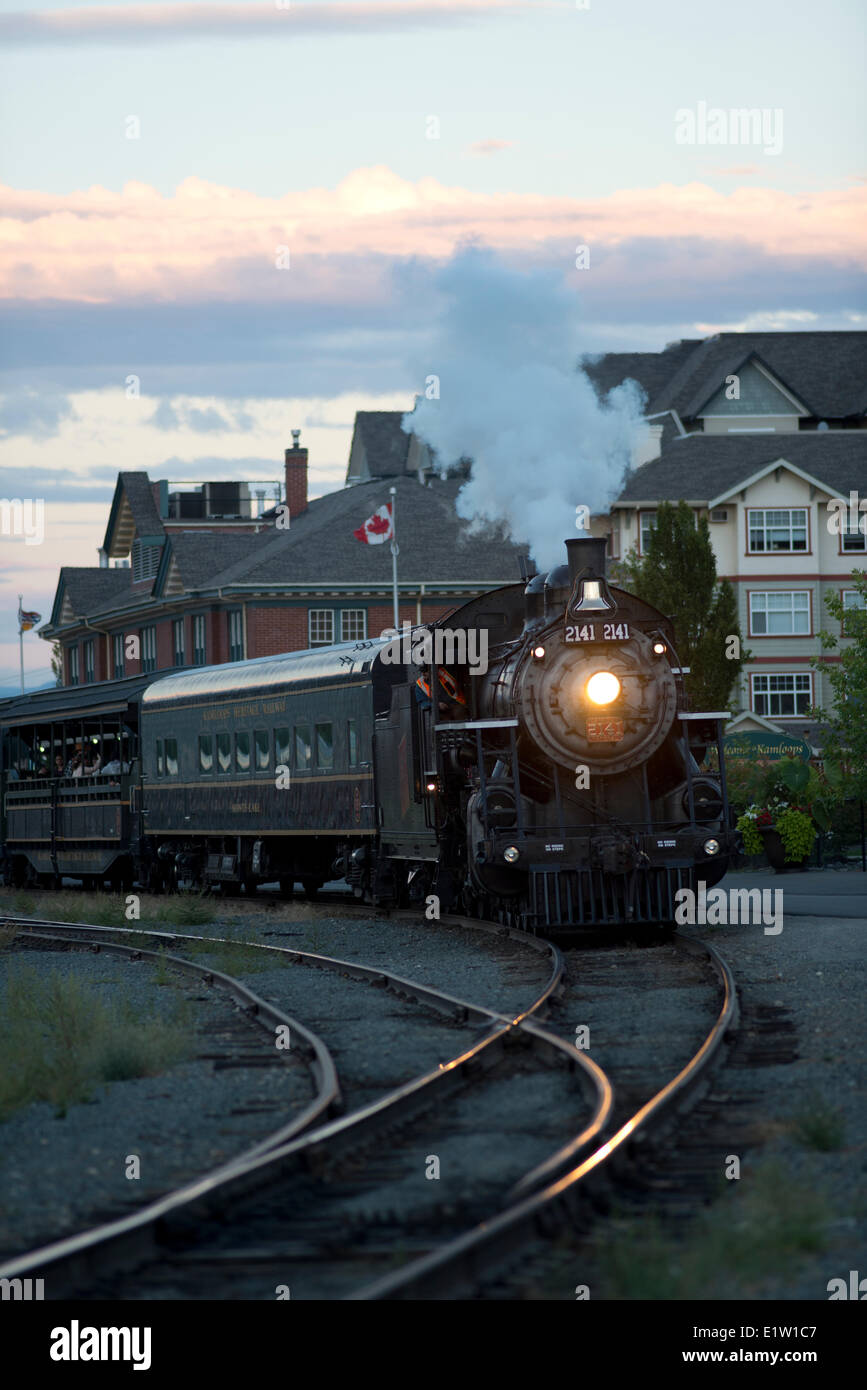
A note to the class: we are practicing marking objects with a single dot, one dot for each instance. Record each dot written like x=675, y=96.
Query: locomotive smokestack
x=586, y=555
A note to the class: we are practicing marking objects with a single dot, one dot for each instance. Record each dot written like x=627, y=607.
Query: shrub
x=797, y=833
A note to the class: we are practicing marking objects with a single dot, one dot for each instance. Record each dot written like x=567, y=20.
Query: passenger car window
x=324, y=745
x=303, y=749
x=242, y=752
x=172, y=757
x=206, y=754
x=282, y=748
x=263, y=749
x=224, y=752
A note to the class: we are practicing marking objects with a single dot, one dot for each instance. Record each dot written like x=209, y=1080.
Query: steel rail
x=78, y=1259
x=457, y=1268
x=258, y=1011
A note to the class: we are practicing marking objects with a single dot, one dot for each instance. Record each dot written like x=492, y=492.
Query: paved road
x=815, y=892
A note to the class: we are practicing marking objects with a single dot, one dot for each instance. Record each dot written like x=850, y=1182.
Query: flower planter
x=775, y=851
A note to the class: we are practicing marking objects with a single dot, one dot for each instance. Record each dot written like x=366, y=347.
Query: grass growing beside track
x=60, y=1038
x=755, y=1229
x=109, y=909
x=819, y=1126
x=231, y=957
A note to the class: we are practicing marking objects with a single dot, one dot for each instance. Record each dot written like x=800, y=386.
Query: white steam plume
x=512, y=399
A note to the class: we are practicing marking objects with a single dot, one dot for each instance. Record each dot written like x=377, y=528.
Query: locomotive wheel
x=287, y=888
x=311, y=888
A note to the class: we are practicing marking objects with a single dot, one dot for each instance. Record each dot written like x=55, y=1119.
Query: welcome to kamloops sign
x=754, y=743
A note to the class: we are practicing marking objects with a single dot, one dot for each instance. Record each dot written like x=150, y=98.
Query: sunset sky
x=155, y=157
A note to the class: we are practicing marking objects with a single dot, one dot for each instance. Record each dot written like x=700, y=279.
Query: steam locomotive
x=554, y=784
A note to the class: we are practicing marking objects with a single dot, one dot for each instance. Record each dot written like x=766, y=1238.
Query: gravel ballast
x=58, y=1175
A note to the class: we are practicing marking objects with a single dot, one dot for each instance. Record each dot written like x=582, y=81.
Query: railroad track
x=181, y=1251
x=225, y=1223
x=562, y=1196
x=254, y=1013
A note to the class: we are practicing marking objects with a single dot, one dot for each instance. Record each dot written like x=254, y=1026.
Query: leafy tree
x=678, y=576
x=57, y=663
x=844, y=735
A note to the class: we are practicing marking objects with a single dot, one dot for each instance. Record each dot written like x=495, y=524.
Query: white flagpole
x=395, y=551
x=21, y=643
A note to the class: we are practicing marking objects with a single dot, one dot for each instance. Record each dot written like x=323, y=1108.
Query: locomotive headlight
x=711, y=846
x=539, y=653
x=602, y=688
x=659, y=648
x=511, y=854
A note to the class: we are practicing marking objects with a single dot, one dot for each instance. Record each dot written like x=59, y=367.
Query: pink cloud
x=738, y=171
x=490, y=146
x=210, y=242
x=124, y=23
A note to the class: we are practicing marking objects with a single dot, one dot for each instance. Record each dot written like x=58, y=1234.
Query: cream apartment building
x=760, y=433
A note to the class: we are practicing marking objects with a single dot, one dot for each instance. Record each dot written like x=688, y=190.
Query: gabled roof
x=82, y=590
x=193, y=558
x=133, y=513
x=435, y=547
x=652, y=370
x=735, y=367
x=384, y=443
x=826, y=370
x=702, y=467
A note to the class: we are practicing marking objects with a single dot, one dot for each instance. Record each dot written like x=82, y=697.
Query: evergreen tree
x=677, y=574
x=844, y=737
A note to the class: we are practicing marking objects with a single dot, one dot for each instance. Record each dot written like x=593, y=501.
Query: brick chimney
x=296, y=477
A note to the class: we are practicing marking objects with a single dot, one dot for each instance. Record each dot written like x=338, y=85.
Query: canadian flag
x=376, y=528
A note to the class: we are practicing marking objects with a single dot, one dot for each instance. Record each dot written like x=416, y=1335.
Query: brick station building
x=212, y=575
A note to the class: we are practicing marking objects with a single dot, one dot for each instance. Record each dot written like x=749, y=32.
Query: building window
x=777, y=530
x=353, y=624
x=72, y=664
x=324, y=745
x=206, y=755
x=262, y=744
x=780, y=696
x=117, y=655
x=148, y=637
x=320, y=627
x=224, y=752
x=242, y=752
x=87, y=648
x=171, y=757
x=648, y=524
x=853, y=601
x=236, y=636
x=352, y=743
x=784, y=614
x=854, y=539
x=303, y=748
x=179, y=645
x=614, y=540
x=199, y=641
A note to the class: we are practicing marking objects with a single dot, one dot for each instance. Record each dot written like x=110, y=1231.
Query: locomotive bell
x=590, y=592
